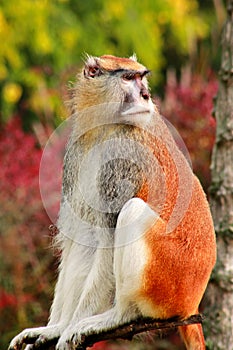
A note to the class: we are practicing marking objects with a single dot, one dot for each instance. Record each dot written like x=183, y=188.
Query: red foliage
x=23, y=223
x=188, y=105
x=20, y=160
x=7, y=299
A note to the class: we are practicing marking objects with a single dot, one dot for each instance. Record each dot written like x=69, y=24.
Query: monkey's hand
x=36, y=336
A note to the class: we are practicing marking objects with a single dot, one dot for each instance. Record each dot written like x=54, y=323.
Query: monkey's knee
x=135, y=218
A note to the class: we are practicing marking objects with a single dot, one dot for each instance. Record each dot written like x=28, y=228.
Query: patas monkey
x=135, y=228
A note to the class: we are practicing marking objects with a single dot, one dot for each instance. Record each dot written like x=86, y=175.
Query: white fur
x=129, y=262
x=90, y=60
x=89, y=278
x=134, y=57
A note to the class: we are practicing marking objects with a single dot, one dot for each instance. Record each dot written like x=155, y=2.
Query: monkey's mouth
x=138, y=109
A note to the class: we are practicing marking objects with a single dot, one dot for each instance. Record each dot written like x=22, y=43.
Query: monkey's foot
x=73, y=335
x=76, y=333
x=36, y=336
x=69, y=339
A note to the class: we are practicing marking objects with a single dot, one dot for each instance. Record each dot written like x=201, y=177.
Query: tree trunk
x=219, y=297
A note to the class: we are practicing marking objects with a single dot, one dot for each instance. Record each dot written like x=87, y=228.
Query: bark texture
x=219, y=326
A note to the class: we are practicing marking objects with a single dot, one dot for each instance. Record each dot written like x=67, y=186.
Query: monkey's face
x=118, y=81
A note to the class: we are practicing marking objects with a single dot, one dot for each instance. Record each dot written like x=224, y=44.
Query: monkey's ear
x=92, y=68
x=134, y=57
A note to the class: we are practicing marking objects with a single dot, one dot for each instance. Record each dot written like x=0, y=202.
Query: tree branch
x=126, y=331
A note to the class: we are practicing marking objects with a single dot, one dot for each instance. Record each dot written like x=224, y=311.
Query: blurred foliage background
x=43, y=43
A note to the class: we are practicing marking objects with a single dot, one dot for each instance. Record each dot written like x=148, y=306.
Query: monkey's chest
x=106, y=174
x=118, y=181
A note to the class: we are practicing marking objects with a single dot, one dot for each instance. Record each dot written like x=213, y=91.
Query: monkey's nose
x=145, y=93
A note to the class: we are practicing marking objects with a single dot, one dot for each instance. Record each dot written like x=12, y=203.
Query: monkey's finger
x=18, y=342
x=44, y=342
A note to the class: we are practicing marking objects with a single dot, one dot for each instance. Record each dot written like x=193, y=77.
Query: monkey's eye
x=128, y=76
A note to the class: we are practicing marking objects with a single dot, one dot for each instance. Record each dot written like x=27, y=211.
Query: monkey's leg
x=96, y=296
x=75, y=266
x=97, y=293
x=53, y=329
x=74, y=269
x=129, y=261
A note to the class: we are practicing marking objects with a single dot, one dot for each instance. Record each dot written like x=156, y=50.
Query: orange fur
x=179, y=264
x=168, y=166
x=109, y=62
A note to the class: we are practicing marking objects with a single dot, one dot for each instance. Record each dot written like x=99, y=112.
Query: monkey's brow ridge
x=142, y=73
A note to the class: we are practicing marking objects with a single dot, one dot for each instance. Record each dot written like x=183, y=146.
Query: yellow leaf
x=12, y=92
